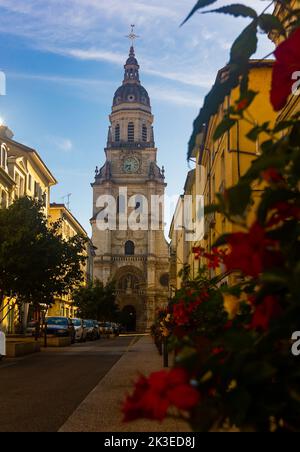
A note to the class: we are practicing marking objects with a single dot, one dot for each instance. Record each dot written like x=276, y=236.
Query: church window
x=3, y=156
x=117, y=133
x=129, y=248
x=144, y=133
x=131, y=132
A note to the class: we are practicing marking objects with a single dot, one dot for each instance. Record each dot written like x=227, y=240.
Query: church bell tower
x=136, y=258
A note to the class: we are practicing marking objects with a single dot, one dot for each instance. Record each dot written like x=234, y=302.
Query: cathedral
x=136, y=258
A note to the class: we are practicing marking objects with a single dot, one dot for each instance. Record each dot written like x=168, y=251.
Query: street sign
x=2, y=344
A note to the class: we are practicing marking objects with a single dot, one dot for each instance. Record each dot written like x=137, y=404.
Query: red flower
x=152, y=397
x=181, y=314
x=215, y=258
x=284, y=211
x=266, y=311
x=252, y=252
x=242, y=104
x=183, y=397
x=183, y=310
x=287, y=62
x=217, y=351
x=272, y=176
x=198, y=251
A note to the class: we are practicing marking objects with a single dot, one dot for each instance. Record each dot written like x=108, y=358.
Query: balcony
x=129, y=258
x=130, y=145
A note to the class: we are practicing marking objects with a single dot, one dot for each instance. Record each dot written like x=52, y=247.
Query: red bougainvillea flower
x=153, y=397
x=283, y=211
x=266, y=311
x=215, y=258
x=198, y=252
x=242, y=104
x=287, y=63
x=252, y=252
x=183, y=310
x=272, y=176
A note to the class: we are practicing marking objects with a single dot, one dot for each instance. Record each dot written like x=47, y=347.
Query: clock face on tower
x=131, y=165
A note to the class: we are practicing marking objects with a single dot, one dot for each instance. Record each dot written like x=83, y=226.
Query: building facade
x=69, y=227
x=220, y=164
x=22, y=173
x=137, y=257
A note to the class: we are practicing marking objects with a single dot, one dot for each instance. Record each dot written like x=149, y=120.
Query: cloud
x=157, y=92
x=201, y=80
x=95, y=30
x=63, y=144
x=175, y=97
x=59, y=79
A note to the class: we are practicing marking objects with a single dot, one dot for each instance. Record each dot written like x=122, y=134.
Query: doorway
x=129, y=319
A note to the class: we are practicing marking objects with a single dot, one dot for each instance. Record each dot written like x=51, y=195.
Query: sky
x=64, y=60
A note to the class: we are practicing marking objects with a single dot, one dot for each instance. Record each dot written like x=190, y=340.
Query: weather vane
x=132, y=36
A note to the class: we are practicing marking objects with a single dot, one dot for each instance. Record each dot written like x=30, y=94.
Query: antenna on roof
x=68, y=198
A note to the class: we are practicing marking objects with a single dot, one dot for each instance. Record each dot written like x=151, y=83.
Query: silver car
x=80, y=330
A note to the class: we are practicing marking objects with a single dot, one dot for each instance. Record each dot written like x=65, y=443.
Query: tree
x=36, y=263
x=97, y=301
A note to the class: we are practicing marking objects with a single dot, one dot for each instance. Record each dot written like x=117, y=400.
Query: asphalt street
x=38, y=393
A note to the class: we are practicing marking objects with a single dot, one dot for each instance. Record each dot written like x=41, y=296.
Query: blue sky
x=64, y=60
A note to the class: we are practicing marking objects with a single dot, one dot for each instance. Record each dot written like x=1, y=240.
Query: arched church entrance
x=129, y=318
x=131, y=297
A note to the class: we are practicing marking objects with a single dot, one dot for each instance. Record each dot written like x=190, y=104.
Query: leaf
x=221, y=241
x=269, y=22
x=275, y=278
x=283, y=125
x=213, y=208
x=257, y=130
x=258, y=372
x=200, y=4
x=239, y=198
x=224, y=127
x=245, y=45
x=236, y=10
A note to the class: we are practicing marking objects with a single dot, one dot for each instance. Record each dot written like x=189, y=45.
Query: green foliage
x=97, y=302
x=36, y=264
x=236, y=10
x=245, y=371
x=200, y=4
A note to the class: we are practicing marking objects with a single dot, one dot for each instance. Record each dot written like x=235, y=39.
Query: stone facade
x=137, y=259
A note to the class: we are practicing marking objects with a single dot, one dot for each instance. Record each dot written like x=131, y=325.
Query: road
x=38, y=393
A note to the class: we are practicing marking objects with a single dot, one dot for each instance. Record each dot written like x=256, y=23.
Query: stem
x=9, y=311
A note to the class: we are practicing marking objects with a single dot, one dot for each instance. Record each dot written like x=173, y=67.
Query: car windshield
x=76, y=322
x=57, y=321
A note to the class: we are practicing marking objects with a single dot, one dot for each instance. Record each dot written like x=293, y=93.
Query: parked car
x=106, y=328
x=116, y=329
x=80, y=330
x=92, y=330
x=61, y=327
x=96, y=325
x=32, y=328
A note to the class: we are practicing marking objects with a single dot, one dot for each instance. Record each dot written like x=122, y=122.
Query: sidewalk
x=101, y=412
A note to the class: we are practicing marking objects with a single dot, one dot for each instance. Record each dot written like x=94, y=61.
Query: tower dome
x=131, y=90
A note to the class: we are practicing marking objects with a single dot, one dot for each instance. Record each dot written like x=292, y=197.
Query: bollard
x=2, y=344
x=166, y=353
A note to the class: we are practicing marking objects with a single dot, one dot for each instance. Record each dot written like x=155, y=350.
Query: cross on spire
x=132, y=36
